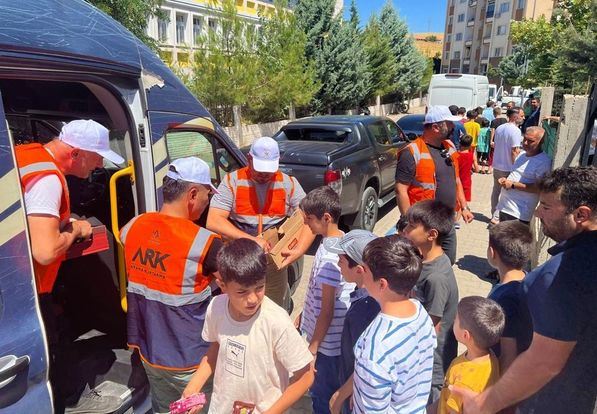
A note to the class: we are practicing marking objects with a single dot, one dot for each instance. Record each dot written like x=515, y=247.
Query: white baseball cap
x=192, y=170
x=89, y=135
x=439, y=113
x=265, y=154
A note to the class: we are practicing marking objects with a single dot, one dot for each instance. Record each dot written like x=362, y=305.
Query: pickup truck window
x=379, y=132
x=313, y=134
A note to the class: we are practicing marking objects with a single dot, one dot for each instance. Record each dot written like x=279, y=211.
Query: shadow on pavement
x=481, y=217
x=476, y=265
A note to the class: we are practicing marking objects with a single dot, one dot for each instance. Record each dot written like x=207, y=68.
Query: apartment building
x=477, y=34
x=186, y=20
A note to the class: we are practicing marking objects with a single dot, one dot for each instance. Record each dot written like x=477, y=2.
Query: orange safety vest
x=167, y=290
x=424, y=184
x=245, y=210
x=33, y=162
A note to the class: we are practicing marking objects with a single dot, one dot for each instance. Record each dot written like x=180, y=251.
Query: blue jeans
x=326, y=382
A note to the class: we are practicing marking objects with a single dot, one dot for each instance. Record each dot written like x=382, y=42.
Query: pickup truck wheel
x=367, y=216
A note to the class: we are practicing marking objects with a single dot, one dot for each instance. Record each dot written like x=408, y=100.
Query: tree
x=354, y=15
x=431, y=38
x=133, y=15
x=315, y=18
x=512, y=68
x=410, y=63
x=286, y=77
x=380, y=59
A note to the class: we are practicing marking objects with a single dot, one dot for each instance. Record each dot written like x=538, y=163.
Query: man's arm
x=514, y=153
x=406, y=170
x=508, y=353
x=305, y=239
x=402, y=197
x=49, y=241
x=206, y=368
x=530, y=372
x=343, y=393
x=217, y=221
x=328, y=299
x=301, y=381
x=527, y=188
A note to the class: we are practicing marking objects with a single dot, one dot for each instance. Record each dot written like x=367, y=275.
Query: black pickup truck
x=355, y=155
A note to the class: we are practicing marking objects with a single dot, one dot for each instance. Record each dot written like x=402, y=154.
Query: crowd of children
x=380, y=323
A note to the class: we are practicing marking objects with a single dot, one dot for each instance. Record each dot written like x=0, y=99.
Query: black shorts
x=482, y=156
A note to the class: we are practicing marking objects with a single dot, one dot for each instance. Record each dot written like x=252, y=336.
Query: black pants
x=449, y=244
x=508, y=217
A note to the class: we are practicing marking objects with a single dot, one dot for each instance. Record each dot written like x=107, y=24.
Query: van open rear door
x=24, y=385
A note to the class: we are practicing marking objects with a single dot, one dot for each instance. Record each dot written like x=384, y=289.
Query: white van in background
x=469, y=91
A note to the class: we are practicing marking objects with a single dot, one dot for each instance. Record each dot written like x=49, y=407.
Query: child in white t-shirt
x=253, y=340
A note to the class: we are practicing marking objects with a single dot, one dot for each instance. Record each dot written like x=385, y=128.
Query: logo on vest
x=151, y=257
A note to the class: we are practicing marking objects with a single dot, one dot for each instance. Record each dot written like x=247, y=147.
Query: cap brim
x=111, y=156
x=332, y=245
x=452, y=118
x=266, y=166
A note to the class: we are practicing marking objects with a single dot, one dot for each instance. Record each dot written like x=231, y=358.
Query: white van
x=469, y=91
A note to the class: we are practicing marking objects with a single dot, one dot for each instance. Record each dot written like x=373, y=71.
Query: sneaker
x=457, y=225
x=94, y=402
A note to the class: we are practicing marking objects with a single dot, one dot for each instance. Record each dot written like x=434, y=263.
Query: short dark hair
x=472, y=114
x=466, y=141
x=484, y=122
x=322, y=200
x=396, y=259
x=351, y=262
x=497, y=111
x=490, y=103
x=512, y=241
x=577, y=186
x=462, y=110
x=242, y=261
x=432, y=214
x=483, y=318
x=453, y=109
x=513, y=111
x=402, y=223
x=173, y=189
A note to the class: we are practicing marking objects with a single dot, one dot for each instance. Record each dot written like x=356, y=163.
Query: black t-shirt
x=445, y=175
x=497, y=122
x=518, y=319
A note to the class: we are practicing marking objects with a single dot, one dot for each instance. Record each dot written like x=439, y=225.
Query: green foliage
x=512, y=68
x=426, y=78
x=354, y=15
x=382, y=65
x=431, y=38
x=315, y=19
x=132, y=14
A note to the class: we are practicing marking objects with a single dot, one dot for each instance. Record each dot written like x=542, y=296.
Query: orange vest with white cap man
x=77, y=151
x=170, y=262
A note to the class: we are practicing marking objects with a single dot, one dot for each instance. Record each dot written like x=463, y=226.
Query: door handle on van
x=10, y=366
x=125, y=172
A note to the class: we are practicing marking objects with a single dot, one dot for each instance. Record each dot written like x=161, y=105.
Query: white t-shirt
x=43, y=195
x=527, y=170
x=326, y=271
x=255, y=357
x=507, y=136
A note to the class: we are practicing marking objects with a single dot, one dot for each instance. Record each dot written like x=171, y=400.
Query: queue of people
x=382, y=317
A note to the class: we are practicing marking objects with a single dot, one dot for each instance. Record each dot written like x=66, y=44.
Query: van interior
x=88, y=352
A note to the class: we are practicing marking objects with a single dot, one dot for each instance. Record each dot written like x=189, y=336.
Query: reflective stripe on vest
x=34, y=161
x=246, y=208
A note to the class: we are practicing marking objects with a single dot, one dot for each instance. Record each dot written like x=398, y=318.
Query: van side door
x=24, y=384
x=385, y=154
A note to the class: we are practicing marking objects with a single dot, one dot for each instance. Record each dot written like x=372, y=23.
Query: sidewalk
x=471, y=256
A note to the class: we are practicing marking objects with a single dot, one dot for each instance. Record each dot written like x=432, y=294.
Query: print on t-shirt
x=235, y=358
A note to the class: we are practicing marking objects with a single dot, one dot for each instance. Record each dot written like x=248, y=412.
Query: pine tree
x=354, y=15
x=314, y=17
x=380, y=59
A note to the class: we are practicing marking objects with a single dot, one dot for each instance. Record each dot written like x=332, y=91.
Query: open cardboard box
x=284, y=237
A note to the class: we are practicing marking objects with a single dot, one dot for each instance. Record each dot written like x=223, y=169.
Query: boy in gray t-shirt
x=428, y=222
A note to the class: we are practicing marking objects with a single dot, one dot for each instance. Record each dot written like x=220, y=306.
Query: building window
x=448, y=38
x=521, y=4
x=490, y=9
x=447, y=55
x=461, y=18
x=501, y=30
x=197, y=26
x=458, y=37
x=497, y=52
x=212, y=24
x=504, y=8
x=457, y=54
x=163, y=28
x=180, y=26
x=450, y=20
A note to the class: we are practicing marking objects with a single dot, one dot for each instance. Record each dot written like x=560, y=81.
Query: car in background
x=411, y=125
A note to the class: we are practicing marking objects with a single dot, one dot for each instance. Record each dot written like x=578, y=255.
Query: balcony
x=471, y=22
x=484, y=58
x=466, y=61
x=468, y=42
x=472, y=3
x=487, y=39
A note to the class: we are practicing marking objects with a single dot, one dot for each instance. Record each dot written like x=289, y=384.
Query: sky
x=420, y=15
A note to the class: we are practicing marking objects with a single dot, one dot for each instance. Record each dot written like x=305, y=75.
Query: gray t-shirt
x=507, y=137
x=437, y=291
x=225, y=199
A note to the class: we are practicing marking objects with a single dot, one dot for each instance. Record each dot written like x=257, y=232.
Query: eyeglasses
x=446, y=156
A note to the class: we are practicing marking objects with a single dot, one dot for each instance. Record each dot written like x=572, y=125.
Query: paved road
x=471, y=254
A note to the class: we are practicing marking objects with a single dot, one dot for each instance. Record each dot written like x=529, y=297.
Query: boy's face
x=462, y=335
x=416, y=233
x=244, y=300
x=317, y=226
x=351, y=275
x=374, y=287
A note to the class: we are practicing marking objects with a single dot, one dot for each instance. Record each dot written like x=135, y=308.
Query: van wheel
x=367, y=215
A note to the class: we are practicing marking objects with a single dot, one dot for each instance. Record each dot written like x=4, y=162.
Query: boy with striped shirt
x=394, y=355
x=328, y=296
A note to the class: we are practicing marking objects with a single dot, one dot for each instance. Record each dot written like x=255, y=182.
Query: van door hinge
x=142, y=135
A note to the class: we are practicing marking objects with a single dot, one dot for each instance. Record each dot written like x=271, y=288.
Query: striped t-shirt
x=326, y=271
x=394, y=361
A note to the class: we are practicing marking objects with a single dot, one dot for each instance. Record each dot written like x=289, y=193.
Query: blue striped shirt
x=394, y=361
x=326, y=271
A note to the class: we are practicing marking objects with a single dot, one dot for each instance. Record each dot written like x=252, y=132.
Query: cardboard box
x=97, y=243
x=286, y=236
